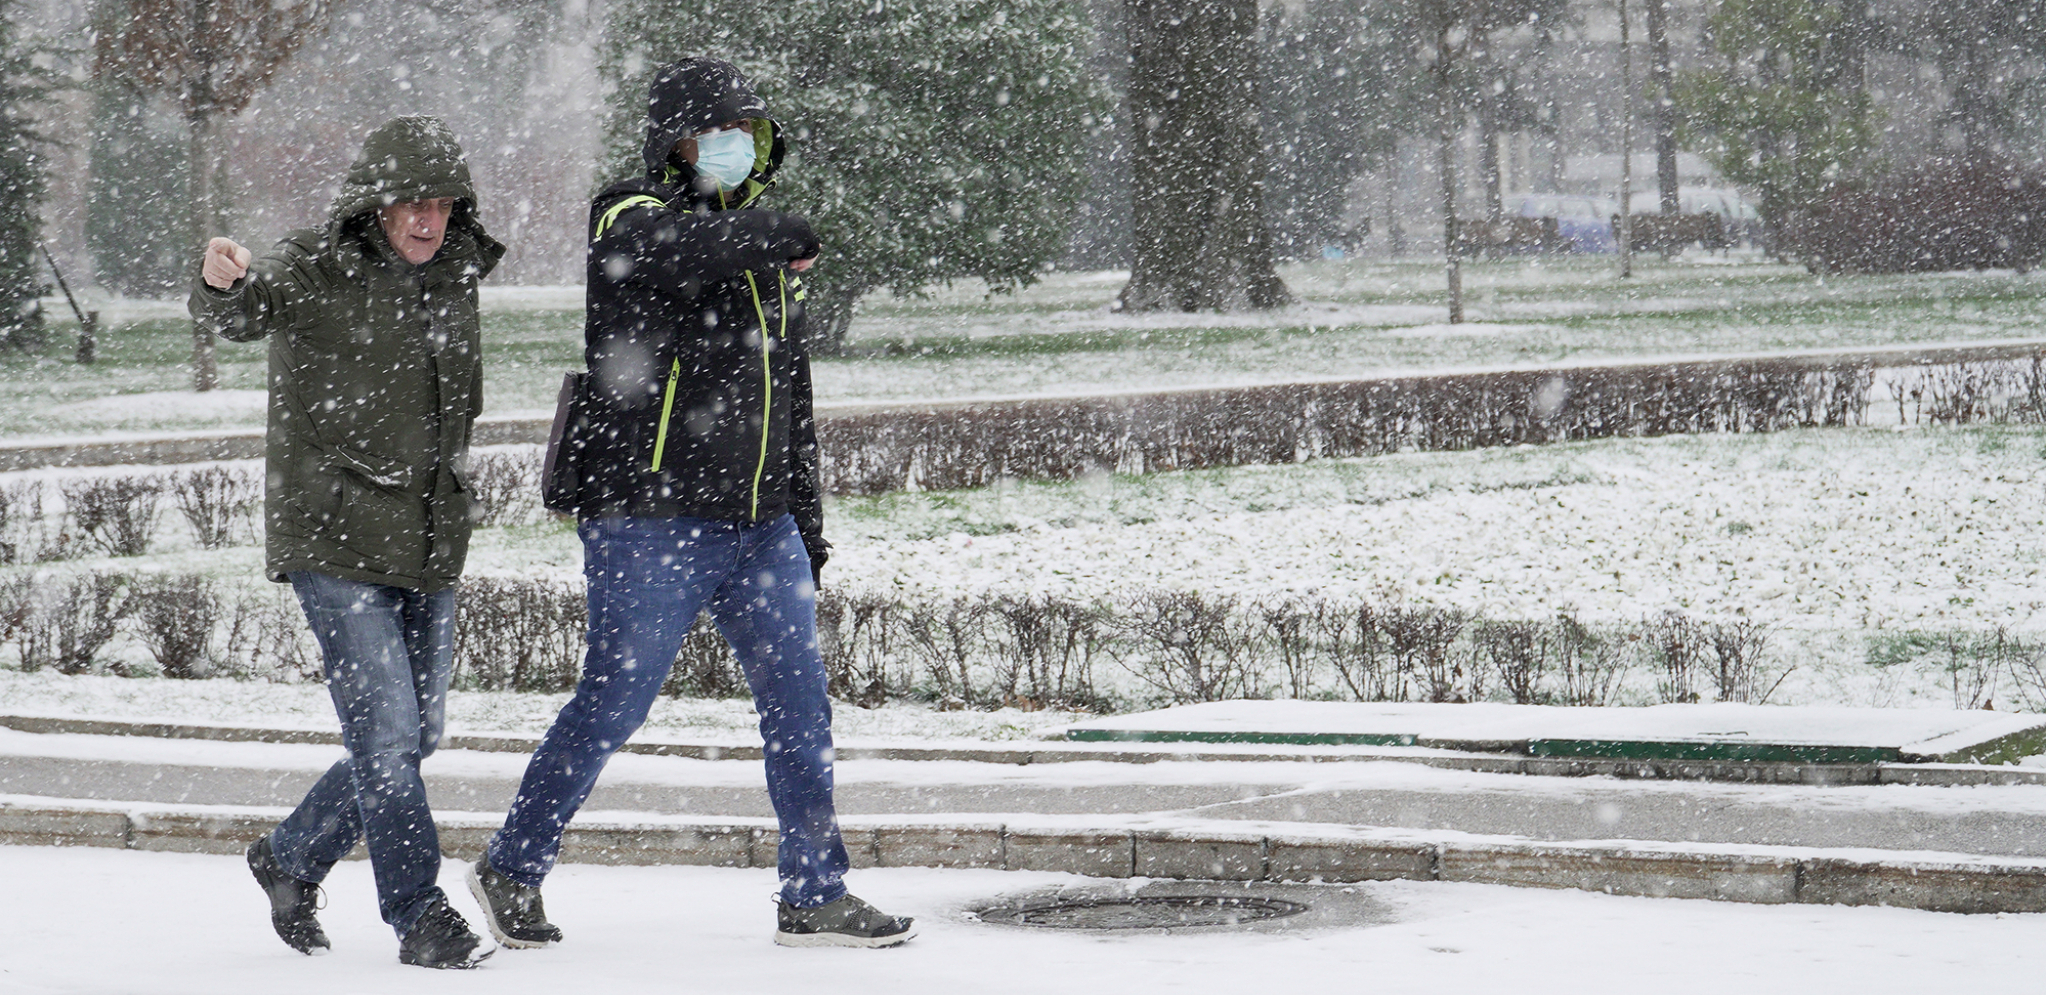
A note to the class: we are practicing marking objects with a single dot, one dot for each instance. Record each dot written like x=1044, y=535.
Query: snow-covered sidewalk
x=83, y=920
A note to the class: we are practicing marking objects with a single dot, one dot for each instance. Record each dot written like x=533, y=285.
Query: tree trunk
x=1665, y=107
x=1623, y=227
x=199, y=202
x=199, y=178
x=1445, y=164
x=1395, y=233
x=1551, y=112
x=1196, y=169
x=1488, y=164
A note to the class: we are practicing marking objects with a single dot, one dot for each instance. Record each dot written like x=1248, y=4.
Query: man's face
x=416, y=228
x=685, y=149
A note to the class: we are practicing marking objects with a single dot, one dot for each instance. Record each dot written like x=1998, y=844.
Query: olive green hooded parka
x=375, y=372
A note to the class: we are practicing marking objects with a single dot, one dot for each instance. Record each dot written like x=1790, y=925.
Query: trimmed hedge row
x=1962, y=212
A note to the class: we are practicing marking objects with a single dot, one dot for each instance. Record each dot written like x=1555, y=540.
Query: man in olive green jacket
x=375, y=381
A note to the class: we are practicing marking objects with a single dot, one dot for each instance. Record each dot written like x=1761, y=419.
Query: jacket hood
x=698, y=93
x=408, y=158
x=412, y=158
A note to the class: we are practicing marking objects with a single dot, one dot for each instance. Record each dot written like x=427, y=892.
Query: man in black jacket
x=698, y=464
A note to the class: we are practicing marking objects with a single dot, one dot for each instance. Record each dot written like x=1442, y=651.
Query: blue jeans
x=648, y=579
x=388, y=652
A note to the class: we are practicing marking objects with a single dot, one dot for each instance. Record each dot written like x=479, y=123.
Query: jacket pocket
x=382, y=471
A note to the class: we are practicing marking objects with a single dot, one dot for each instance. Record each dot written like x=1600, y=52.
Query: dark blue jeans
x=387, y=652
x=648, y=579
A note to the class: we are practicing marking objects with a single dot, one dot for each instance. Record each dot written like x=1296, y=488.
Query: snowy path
x=106, y=921
x=1984, y=820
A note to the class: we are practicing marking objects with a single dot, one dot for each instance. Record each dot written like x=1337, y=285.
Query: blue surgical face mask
x=725, y=156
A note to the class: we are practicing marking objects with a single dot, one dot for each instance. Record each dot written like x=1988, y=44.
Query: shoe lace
x=311, y=898
x=442, y=920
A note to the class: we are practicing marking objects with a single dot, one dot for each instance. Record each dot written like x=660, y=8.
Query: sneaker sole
x=841, y=939
x=411, y=961
x=482, y=898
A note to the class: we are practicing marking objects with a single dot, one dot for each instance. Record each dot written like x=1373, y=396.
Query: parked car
x=1586, y=223
x=1743, y=222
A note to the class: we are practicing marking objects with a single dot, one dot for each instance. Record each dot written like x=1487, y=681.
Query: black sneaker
x=847, y=922
x=292, y=902
x=441, y=938
x=511, y=910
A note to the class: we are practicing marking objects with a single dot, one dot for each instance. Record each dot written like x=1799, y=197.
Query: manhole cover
x=1147, y=912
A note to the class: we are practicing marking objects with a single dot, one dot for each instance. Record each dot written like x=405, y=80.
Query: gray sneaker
x=511, y=910
x=847, y=922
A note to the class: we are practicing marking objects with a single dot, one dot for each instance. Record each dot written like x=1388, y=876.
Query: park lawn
x=1357, y=318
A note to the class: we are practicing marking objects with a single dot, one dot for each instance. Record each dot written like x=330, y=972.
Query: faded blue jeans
x=388, y=653
x=648, y=579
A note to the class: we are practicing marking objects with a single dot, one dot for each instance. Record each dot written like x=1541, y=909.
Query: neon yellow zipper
x=667, y=411
x=766, y=382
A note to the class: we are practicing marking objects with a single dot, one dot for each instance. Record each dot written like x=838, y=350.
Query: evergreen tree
x=1787, y=114
x=22, y=86
x=930, y=139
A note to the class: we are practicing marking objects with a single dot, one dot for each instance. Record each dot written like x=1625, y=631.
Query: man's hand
x=226, y=261
x=800, y=265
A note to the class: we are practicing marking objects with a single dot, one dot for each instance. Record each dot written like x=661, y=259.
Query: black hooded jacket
x=699, y=391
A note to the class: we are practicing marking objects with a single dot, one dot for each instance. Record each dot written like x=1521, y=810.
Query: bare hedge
x=1158, y=647
x=950, y=448
x=974, y=445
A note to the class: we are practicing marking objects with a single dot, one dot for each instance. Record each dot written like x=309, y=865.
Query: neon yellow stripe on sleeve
x=604, y=223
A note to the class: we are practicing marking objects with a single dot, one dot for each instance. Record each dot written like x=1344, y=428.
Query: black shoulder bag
x=561, y=474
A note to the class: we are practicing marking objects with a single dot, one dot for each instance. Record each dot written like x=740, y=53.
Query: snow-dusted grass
x=1865, y=528
x=73, y=923
x=1356, y=318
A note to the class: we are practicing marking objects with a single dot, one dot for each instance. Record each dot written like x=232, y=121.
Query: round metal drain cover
x=1147, y=912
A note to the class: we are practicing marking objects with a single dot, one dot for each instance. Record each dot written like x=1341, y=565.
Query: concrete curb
x=1740, y=772
x=1124, y=848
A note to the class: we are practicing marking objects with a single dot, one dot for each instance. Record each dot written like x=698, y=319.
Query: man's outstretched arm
x=242, y=296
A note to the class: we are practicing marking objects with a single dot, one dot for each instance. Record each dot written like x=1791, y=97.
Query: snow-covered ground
x=109, y=921
x=1851, y=545
x=1864, y=528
